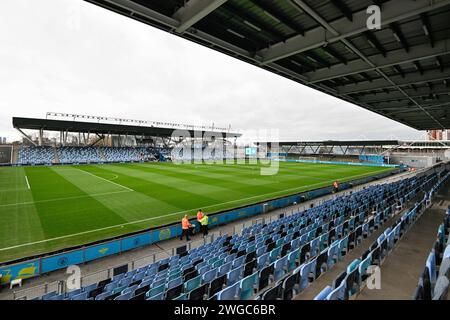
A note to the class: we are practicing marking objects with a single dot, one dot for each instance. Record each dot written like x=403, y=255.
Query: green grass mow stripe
x=60, y=218
x=230, y=185
x=72, y=205
x=153, y=218
x=168, y=189
x=18, y=224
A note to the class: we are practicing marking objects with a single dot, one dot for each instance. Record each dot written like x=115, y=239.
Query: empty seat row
x=244, y=265
x=35, y=155
x=434, y=280
x=349, y=282
x=65, y=155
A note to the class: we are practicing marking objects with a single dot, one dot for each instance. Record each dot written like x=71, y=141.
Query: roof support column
x=26, y=136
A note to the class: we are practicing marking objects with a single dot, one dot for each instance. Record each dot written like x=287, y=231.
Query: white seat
x=15, y=282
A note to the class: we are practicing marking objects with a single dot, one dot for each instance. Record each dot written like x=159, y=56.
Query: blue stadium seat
x=333, y=254
x=280, y=268
x=263, y=260
x=229, y=293
x=293, y=257
x=182, y=296
x=323, y=294
x=156, y=290
x=363, y=266
x=210, y=275
x=289, y=249
x=80, y=296
x=225, y=268
x=247, y=286
x=124, y=296
x=307, y=271
x=159, y=296
x=343, y=247
x=441, y=288
x=339, y=293
x=431, y=265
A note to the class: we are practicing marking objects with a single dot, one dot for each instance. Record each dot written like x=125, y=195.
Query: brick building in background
x=439, y=135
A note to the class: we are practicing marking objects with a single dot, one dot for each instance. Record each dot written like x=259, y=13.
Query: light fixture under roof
x=296, y=63
x=236, y=33
x=311, y=59
x=396, y=36
x=252, y=25
x=329, y=54
x=371, y=43
x=271, y=16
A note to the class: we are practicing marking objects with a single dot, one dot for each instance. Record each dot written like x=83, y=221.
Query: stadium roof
x=401, y=71
x=401, y=144
x=359, y=143
x=103, y=128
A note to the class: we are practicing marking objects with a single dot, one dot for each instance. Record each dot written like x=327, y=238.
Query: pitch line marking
x=114, y=176
x=28, y=183
x=119, y=185
x=16, y=190
x=158, y=217
x=61, y=199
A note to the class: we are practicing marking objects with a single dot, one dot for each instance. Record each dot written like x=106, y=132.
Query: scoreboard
x=250, y=151
x=5, y=154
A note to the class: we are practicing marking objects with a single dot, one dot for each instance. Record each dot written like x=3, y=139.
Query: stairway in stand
x=56, y=156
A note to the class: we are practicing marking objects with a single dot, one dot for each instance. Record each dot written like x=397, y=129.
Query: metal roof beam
x=373, y=41
x=396, y=105
x=134, y=8
x=193, y=11
x=416, y=53
x=398, y=35
x=277, y=16
x=439, y=64
x=366, y=76
x=399, y=70
x=418, y=67
x=172, y=24
x=315, y=58
x=342, y=7
x=253, y=23
x=381, y=72
x=392, y=11
x=363, y=58
x=286, y=72
x=427, y=28
x=410, y=79
x=393, y=96
x=426, y=104
x=335, y=54
x=300, y=64
x=437, y=107
x=378, y=3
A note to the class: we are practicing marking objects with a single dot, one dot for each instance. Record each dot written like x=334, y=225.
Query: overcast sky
x=71, y=56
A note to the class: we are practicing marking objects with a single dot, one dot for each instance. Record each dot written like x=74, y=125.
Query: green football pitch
x=48, y=208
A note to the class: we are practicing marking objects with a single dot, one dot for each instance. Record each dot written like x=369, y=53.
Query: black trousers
x=205, y=230
x=185, y=233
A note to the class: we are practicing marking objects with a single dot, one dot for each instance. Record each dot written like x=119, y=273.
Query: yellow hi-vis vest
x=204, y=220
